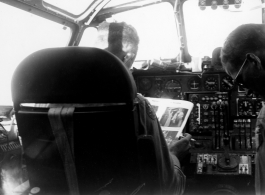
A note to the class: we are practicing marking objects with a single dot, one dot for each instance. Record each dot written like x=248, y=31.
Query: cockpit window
x=157, y=30
x=21, y=34
x=208, y=29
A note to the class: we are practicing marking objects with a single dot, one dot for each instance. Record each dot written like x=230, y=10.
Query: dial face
x=245, y=108
x=173, y=87
x=145, y=84
x=211, y=84
x=194, y=84
x=227, y=83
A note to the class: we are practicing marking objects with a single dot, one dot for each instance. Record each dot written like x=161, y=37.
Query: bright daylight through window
x=156, y=27
x=208, y=29
x=23, y=33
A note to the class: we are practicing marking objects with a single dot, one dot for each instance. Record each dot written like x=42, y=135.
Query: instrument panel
x=222, y=122
x=174, y=87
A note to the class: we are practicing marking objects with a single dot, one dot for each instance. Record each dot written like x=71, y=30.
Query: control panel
x=174, y=87
x=212, y=122
x=222, y=124
x=216, y=163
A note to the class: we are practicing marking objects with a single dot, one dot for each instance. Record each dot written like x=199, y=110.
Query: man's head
x=243, y=56
x=120, y=39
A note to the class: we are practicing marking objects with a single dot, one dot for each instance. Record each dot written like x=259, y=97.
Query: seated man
x=122, y=40
x=243, y=58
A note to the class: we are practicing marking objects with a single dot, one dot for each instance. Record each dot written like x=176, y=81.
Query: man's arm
x=180, y=148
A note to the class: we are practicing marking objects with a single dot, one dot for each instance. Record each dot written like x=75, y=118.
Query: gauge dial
x=245, y=108
x=227, y=83
x=194, y=84
x=173, y=87
x=211, y=84
x=145, y=84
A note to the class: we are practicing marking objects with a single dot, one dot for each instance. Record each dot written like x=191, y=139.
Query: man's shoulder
x=146, y=104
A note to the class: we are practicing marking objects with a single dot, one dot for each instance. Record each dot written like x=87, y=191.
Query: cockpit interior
x=178, y=59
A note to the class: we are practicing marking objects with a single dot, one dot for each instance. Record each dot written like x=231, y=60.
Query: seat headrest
x=72, y=75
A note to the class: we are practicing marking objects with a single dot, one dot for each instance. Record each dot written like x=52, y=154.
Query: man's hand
x=180, y=148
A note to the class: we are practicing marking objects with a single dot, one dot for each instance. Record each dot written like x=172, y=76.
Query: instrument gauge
x=173, y=87
x=194, y=84
x=227, y=83
x=245, y=108
x=211, y=84
x=145, y=84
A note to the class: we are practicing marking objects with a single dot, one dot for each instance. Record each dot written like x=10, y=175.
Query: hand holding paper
x=180, y=147
x=172, y=116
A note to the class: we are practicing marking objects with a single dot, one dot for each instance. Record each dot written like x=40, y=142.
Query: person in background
x=243, y=58
x=122, y=40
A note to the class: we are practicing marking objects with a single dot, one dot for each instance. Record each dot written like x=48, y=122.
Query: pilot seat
x=78, y=120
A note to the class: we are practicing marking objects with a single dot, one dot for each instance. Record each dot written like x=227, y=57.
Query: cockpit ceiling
x=78, y=7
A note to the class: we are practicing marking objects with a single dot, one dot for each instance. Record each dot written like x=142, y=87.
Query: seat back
x=109, y=150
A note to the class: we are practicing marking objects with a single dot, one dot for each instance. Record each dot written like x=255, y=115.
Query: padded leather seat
x=109, y=151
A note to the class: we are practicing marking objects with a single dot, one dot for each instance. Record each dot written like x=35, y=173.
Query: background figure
x=243, y=58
